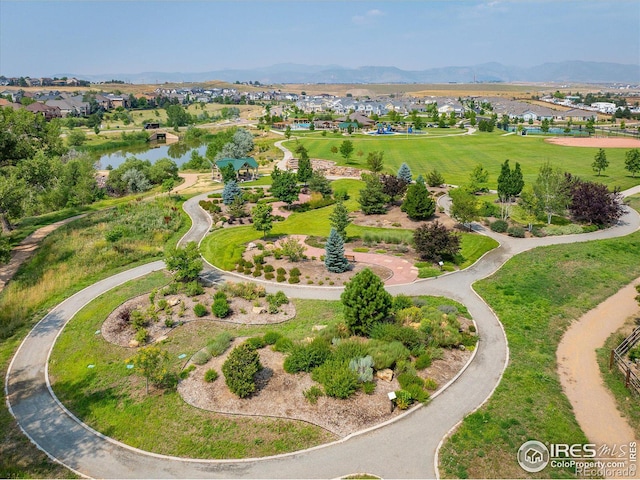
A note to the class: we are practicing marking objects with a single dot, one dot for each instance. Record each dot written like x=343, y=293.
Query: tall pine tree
x=304, y=165
x=418, y=203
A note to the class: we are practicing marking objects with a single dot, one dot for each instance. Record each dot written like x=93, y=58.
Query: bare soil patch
x=595, y=142
x=280, y=394
x=244, y=312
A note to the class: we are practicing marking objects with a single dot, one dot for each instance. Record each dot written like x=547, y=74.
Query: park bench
x=350, y=258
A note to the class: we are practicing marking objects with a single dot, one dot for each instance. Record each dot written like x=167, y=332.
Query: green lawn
x=536, y=295
x=456, y=156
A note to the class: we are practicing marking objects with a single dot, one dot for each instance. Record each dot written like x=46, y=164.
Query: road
x=406, y=448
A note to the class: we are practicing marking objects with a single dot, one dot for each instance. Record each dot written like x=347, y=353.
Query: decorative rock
x=317, y=328
x=269, y=246
x=172, y=302
x=160, y=339
x=251, y=246
x=462, y=347
x=259, y=310
x=386, y=374
x=134, y=343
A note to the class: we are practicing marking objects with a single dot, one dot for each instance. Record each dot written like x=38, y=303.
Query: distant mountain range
x=570, y=71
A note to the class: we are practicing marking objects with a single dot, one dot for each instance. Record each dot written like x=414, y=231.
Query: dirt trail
x=593, y=404
x=27, y=247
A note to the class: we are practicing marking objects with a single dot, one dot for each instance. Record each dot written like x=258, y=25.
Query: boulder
x=259, y=309
x=385, y=374
x=160, y=339
x=172, y=302
x=134, y=343
x=317, y=328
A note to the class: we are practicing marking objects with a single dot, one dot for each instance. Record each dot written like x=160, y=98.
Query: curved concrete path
x=404, y=449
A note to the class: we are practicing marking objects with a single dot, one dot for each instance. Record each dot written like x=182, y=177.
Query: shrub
x=192, y=289
x=405, y=379
x=369, y=387
x=281, y=271
x=240, y=368
x=283, y=345
x=430, y=384
x=270, y=338
x=219, y=344
x=401, y=301
x=138, y=320
x=280, y=278
x=294, y=279
x=499, y=226
x=294, y=272
x=417, y=393
x=185, y=373
x=347, y=350
x=200, y=310
x=312, y=394
x=386, y=354
x=292, y=248
x=403, y=399
x=269, y=276
x=363, y=367
x=201, y=357
x=210, y=375
x=268, y=268
x=142, y=336
x=255, y=342
x=516, y=231
x=304, y=358
x=488, y=209
x=219, y=294
x=423, y=361
x=220, y=308
x=448, y=309
x=338, y=379
x=410, y=337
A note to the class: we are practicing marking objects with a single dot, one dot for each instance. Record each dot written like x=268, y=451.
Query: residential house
x=48, y=112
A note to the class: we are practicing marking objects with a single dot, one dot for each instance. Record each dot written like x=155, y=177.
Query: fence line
x=631, y=380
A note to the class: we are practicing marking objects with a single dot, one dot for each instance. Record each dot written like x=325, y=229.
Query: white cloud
x=367, y=18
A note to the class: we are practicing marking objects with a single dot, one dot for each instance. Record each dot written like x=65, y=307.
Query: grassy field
x=536, y=295
x=112, y=401
x=455, y=157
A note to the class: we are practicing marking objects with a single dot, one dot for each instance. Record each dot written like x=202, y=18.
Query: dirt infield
x=596, y=142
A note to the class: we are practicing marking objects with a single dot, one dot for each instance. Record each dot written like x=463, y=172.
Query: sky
x=97, y=37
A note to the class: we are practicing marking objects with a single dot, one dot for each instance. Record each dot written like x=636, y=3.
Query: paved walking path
x=403, y=449
x=593, y=404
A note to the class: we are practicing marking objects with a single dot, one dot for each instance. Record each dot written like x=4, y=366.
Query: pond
x=179, y=152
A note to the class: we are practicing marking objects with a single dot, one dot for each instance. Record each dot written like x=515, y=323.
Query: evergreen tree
x=600, y=162
x=405, y=173
x=418, y=203
x=372, y=198
x=435, y=178
x=228, y=173
x=339, y=219
x=231, y=192
x=365, y=301
x=319, y=183
x=334, y=259
x=304, y=165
